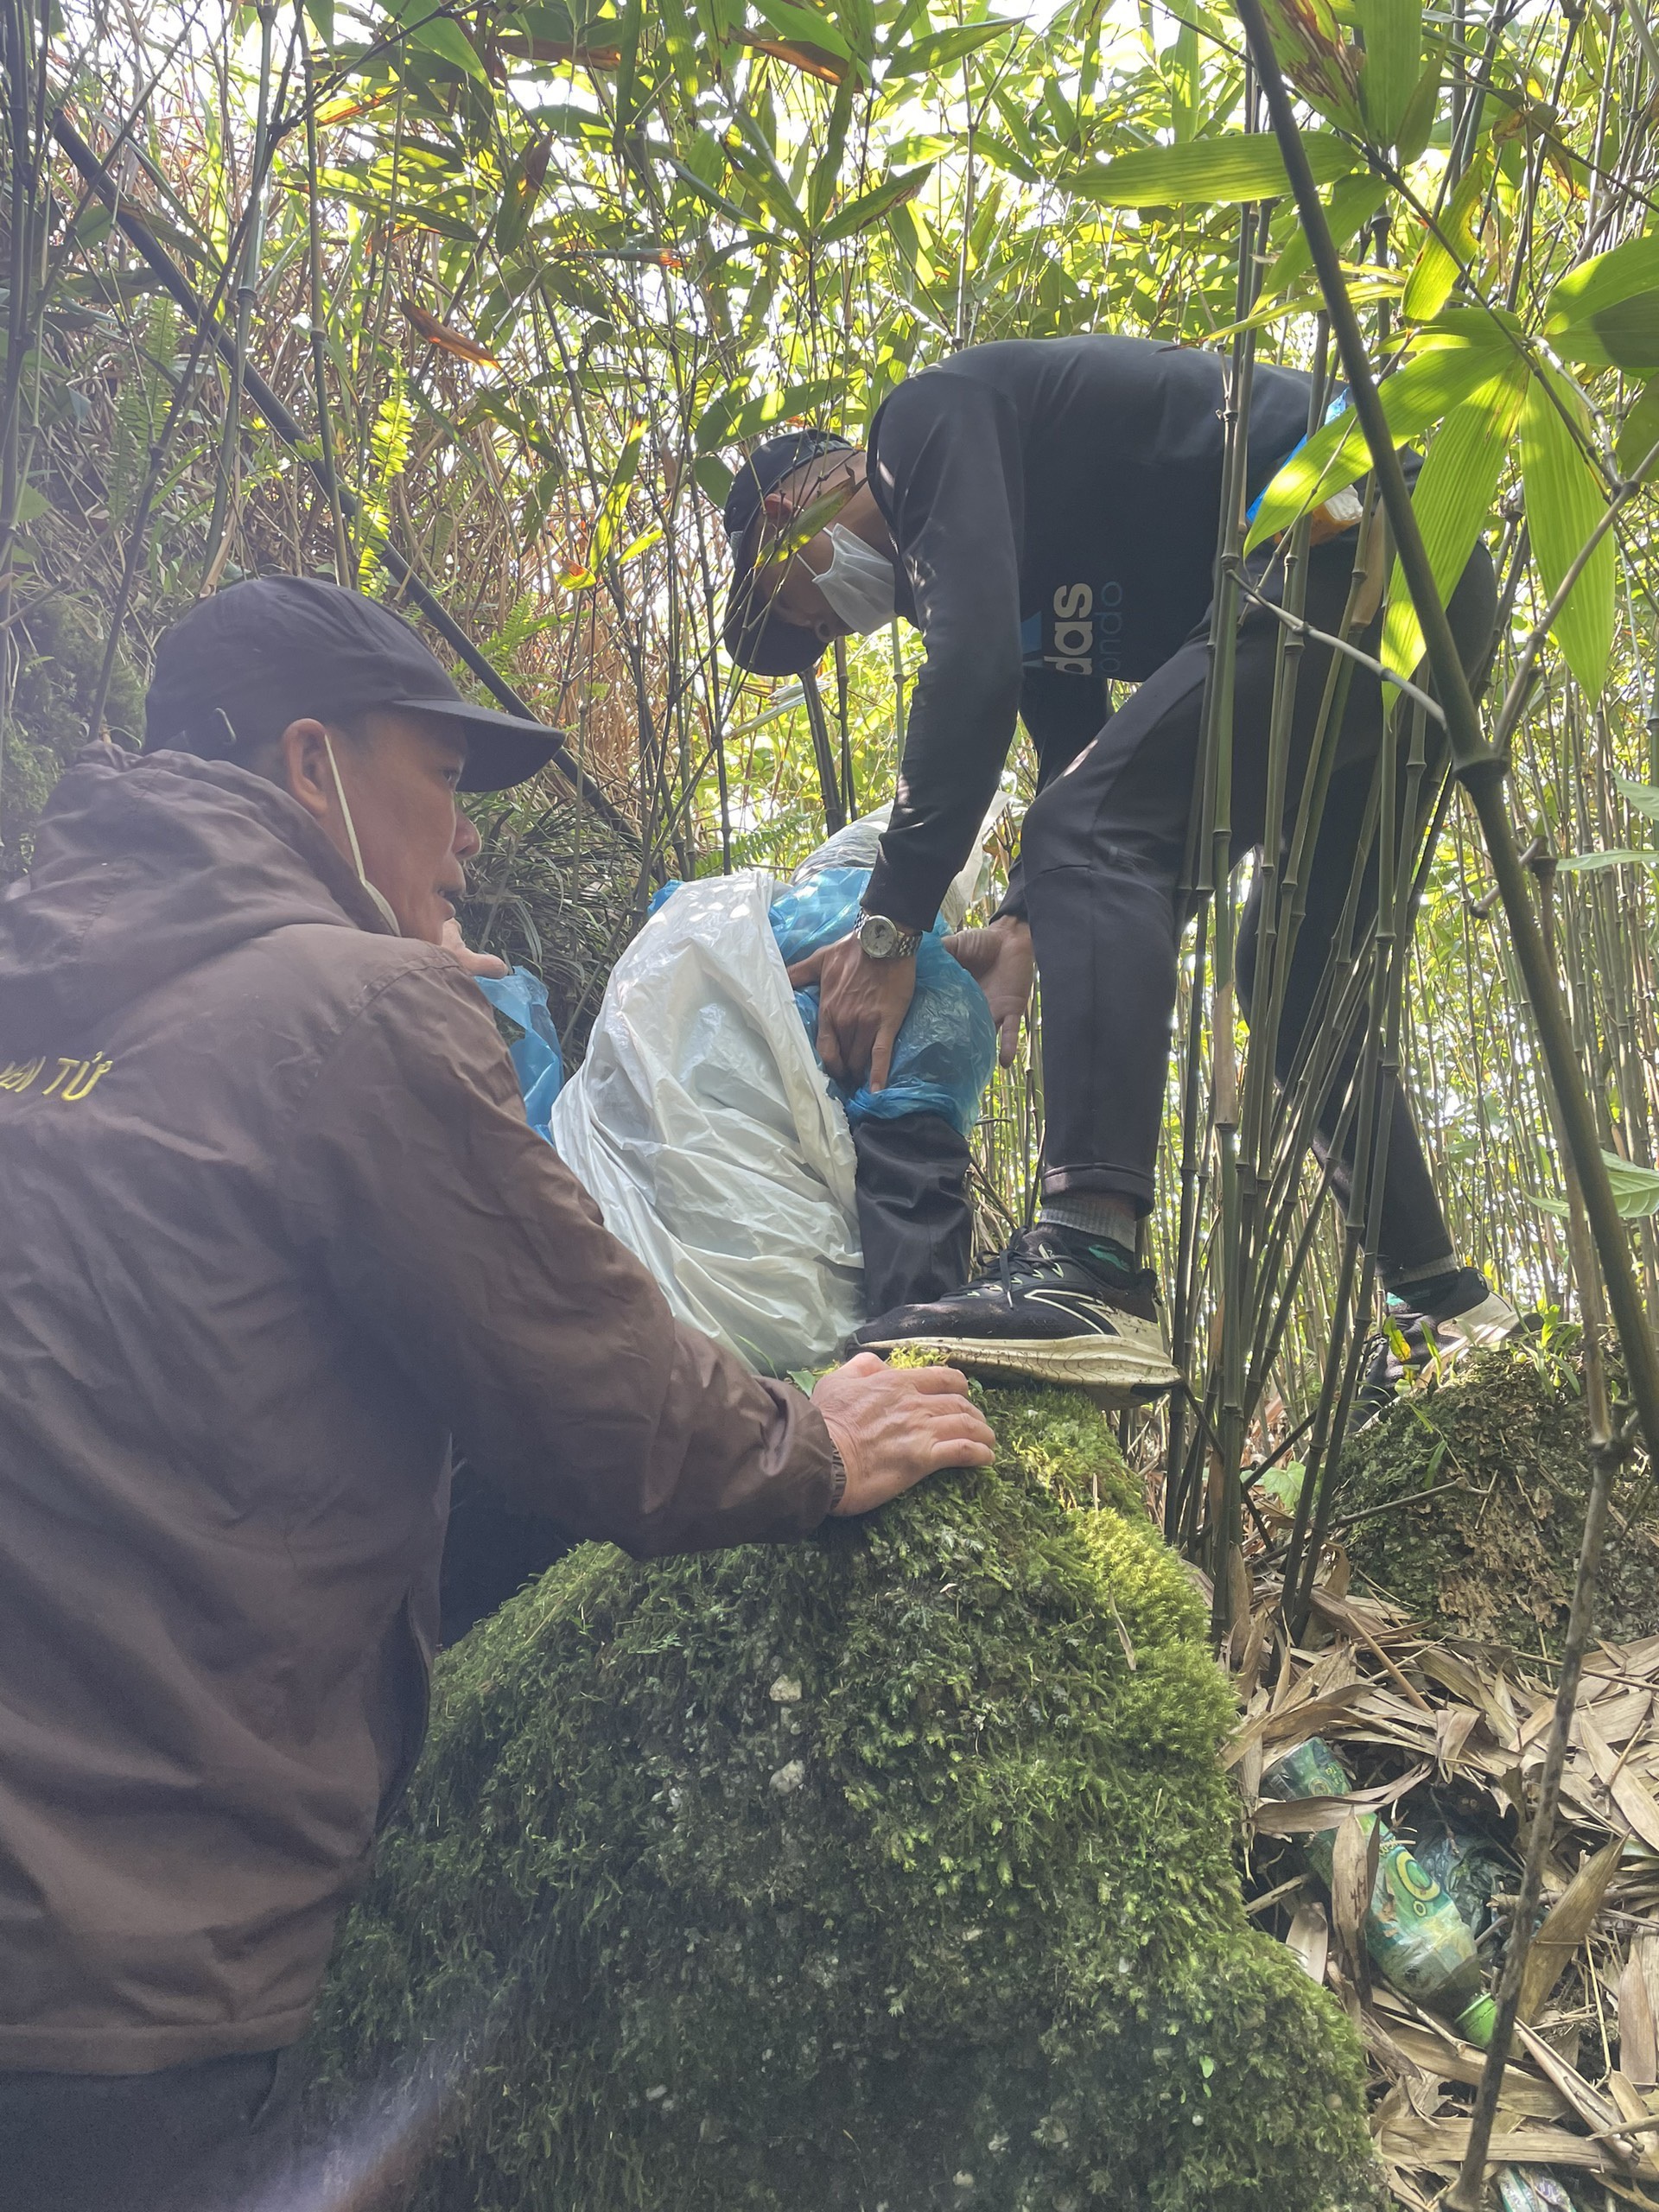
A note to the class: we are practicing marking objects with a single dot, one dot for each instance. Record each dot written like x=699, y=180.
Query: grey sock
x=1091, y=1215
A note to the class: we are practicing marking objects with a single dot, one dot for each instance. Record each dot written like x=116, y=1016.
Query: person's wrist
x=885, y=941
x=843, y=1455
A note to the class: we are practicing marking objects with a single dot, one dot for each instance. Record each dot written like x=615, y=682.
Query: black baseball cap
x=755, y=638
x=243, y=666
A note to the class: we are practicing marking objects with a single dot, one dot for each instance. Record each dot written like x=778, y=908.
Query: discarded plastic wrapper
x=1535, y=2192
x=1468, y=1868
x=1412, y=1930
x=536, y=1059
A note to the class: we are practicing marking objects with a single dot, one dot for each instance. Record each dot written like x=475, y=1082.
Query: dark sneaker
x=1039, y=1310
x=1470, y=1317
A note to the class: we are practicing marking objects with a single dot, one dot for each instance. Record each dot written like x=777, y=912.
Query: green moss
x=889, y=1868
x=1492, y=1555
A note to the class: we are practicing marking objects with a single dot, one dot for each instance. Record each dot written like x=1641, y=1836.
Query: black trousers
x=914, y=1219
x=220, y=2136
x=1104, y=846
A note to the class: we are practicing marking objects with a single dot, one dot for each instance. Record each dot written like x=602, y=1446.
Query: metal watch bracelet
x=881, y=938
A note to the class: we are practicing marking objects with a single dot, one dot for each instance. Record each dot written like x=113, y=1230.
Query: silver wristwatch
x=882, y=939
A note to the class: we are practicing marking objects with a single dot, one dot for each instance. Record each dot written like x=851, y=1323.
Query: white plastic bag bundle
x=703, y=1126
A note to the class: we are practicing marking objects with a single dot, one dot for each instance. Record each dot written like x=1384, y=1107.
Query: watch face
x=878, y=937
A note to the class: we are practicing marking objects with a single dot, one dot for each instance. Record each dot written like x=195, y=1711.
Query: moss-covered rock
x=892, y=1868
x=1501, y=1443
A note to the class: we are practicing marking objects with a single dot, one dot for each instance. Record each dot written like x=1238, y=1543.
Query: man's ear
x=304, y=773
x=777, y=509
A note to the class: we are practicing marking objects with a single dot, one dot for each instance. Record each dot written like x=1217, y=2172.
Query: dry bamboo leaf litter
x=1445, y=1730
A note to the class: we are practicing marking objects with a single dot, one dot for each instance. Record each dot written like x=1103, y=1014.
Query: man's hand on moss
x=894, y=1427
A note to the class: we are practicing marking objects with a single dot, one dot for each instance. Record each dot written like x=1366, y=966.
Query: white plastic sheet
x=703, y=1126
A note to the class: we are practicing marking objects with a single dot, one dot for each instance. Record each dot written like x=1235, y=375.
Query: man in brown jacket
x=275, y=1229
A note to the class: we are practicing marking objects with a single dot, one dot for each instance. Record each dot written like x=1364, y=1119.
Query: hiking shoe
x=1040, y=1311
x=1469, y=1317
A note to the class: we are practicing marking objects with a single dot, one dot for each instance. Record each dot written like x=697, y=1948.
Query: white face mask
x=382, y=904
x=859, y=583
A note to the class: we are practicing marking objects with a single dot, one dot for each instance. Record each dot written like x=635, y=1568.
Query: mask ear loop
x=381, y=905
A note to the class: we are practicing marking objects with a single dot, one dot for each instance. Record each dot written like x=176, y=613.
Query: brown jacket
x=272, y=1227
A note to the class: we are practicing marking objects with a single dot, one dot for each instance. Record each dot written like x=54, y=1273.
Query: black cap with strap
x=755, y=638
x=243, y=666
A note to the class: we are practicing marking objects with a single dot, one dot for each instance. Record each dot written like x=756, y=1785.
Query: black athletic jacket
x=1054, y=503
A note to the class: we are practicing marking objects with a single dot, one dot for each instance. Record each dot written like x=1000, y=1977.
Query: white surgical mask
x=859, y=583
x=382, y=903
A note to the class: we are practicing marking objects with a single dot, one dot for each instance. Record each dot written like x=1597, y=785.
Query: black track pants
x=1104, y=846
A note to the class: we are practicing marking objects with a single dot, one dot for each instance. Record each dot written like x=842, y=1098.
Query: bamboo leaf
x=706, y=193
x=1353, y=202
x=1422, y=393
x=1610, y=857
x=925, y=57
x=611, y=511
x=1417, y=125
x=1640, y=798
x=1602, y=282
x=1372, y=284
x=445, y=337
x=627, y=72
x=1245, y=166
x=1319, y=58
x=806, y=27
x=1393, y=32
x=1436, y=269
x=870, y=206
x=735, y=418
x=522, y=189
x=1451, y=500
x=439, y=35
x=757, y=167
x=1565, y=1926
x=394, y=424
x=1625, y=335
x=1186, y=88
x=811, y=60
x=1640, y=434
x=1565, y=500
x=826, y=170
x=1630, y=331
x=1636, y=1189
x=714, y=478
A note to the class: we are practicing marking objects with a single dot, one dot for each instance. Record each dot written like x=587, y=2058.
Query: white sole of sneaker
x=1108, y=1363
